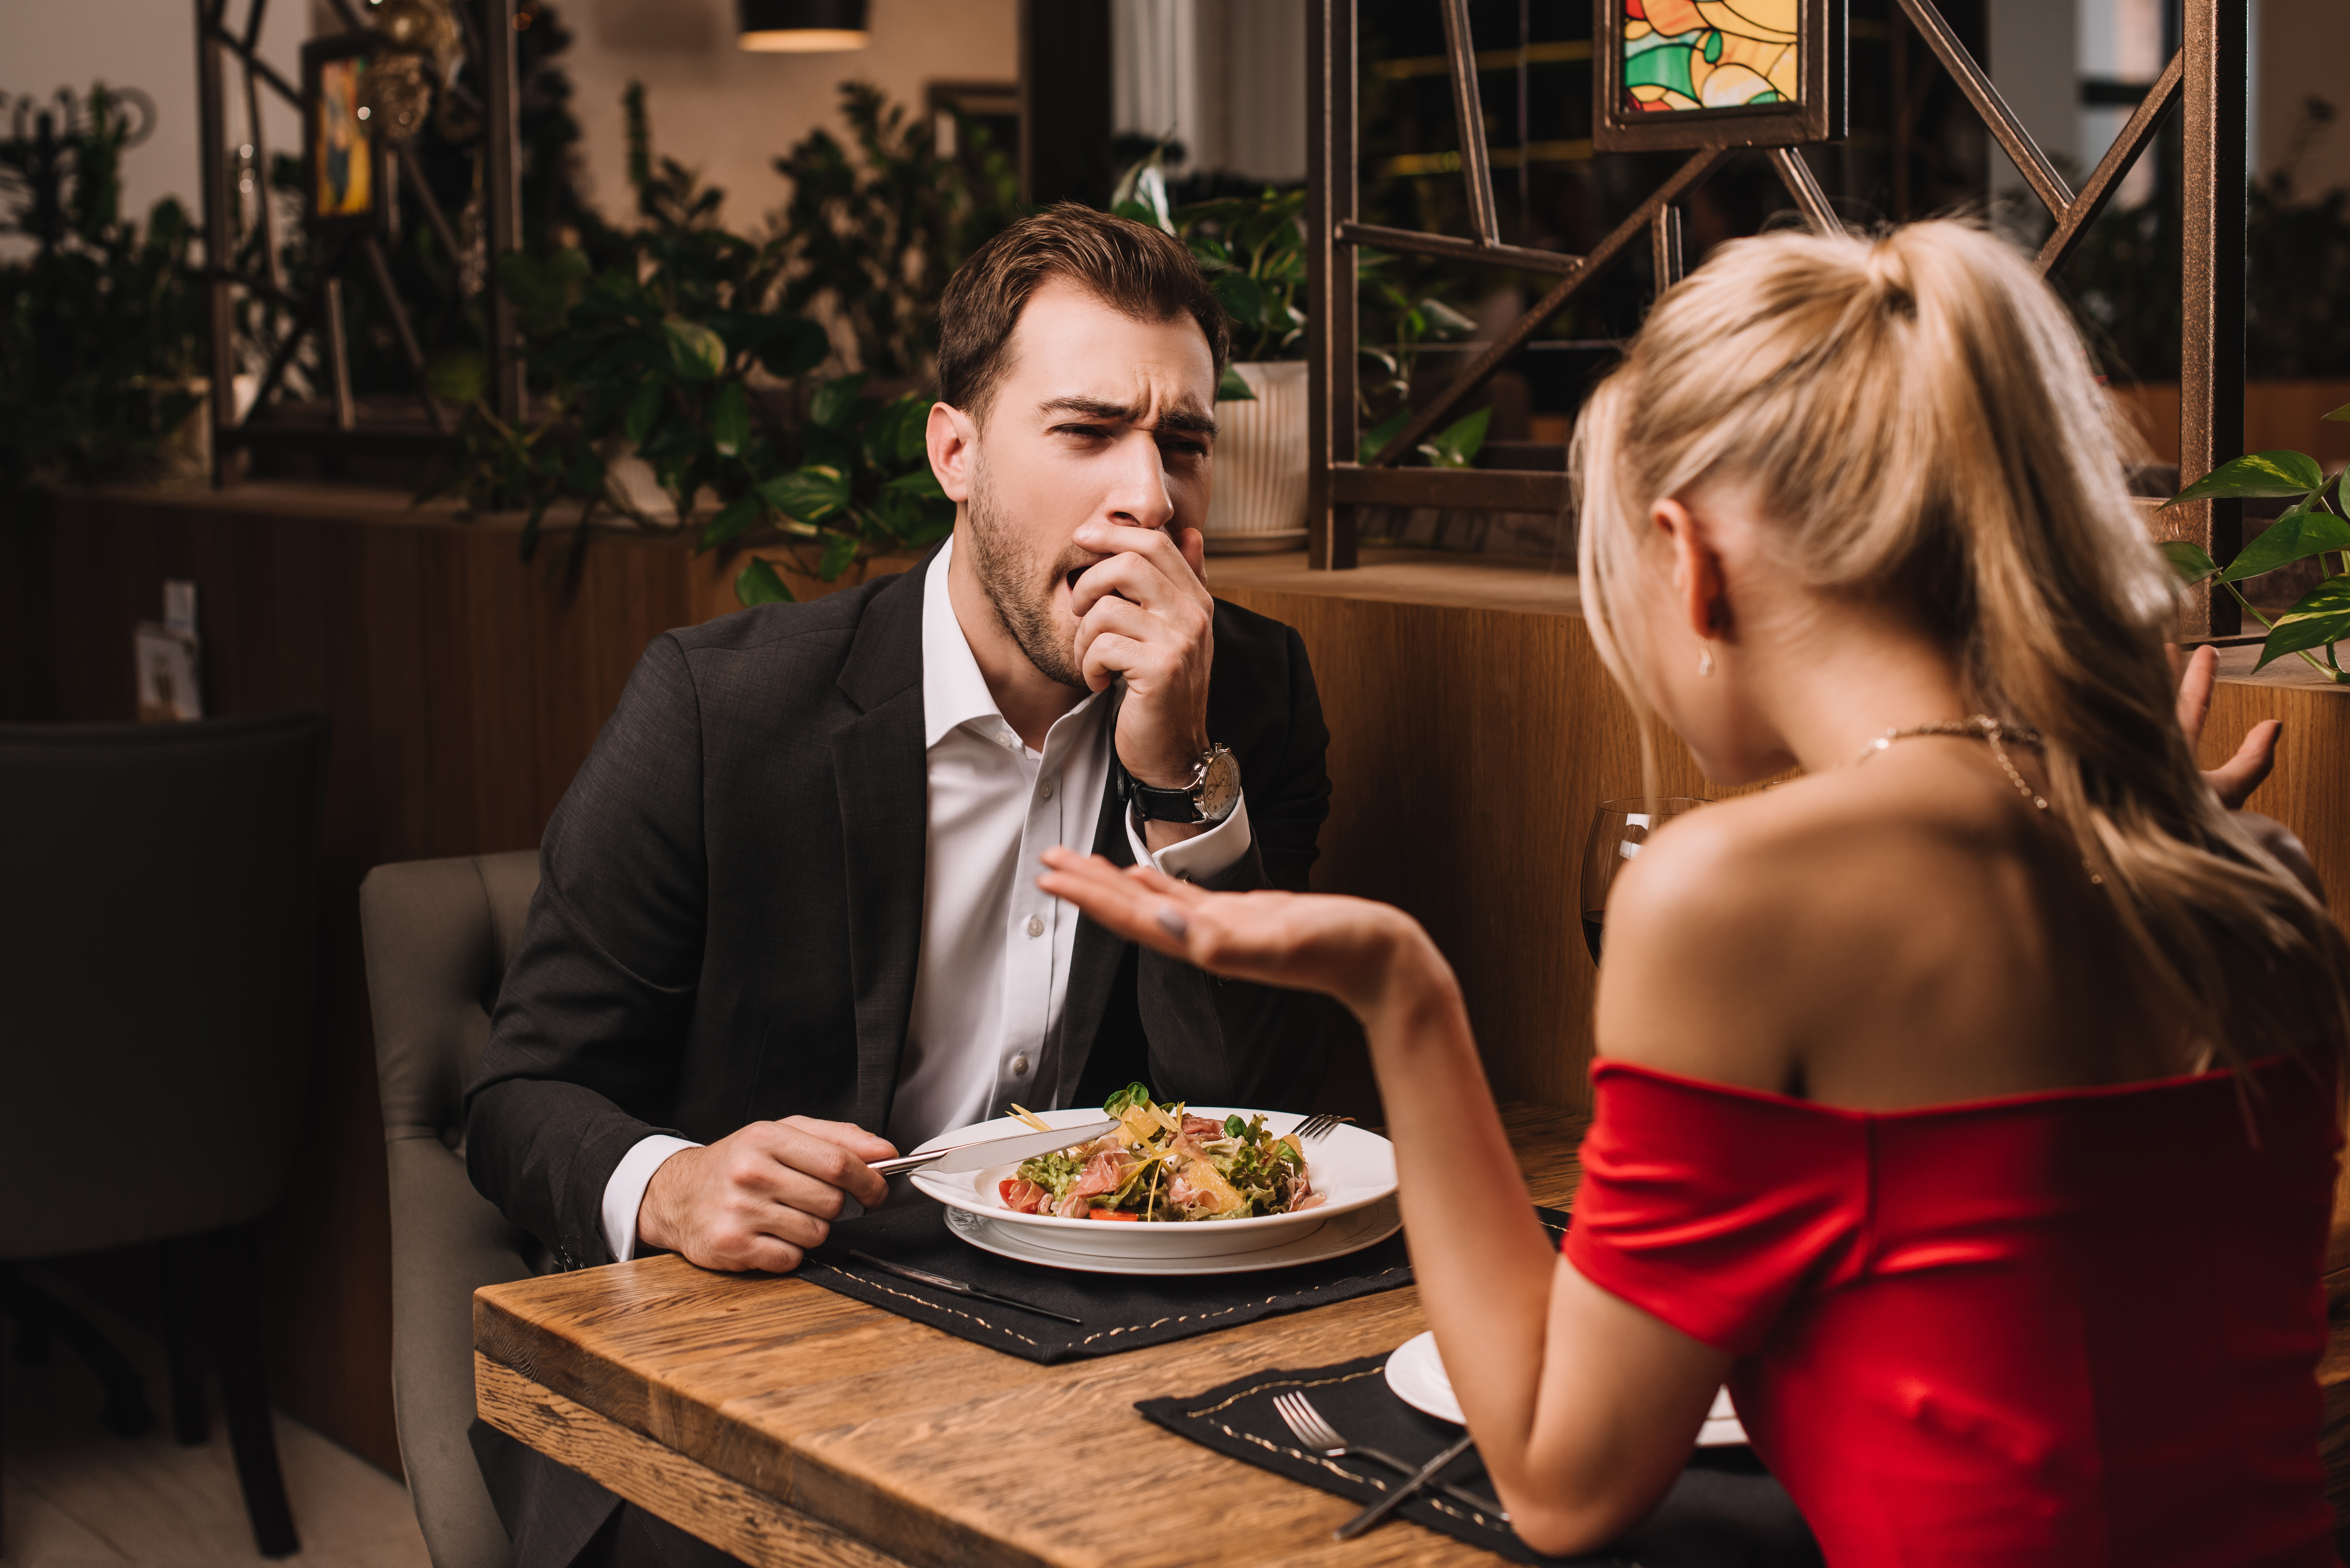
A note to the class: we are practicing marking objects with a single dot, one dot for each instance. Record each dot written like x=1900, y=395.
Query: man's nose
x=1137, y=495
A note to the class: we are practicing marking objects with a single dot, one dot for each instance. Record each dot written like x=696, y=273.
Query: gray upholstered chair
x=158, y=958
x=440, y=934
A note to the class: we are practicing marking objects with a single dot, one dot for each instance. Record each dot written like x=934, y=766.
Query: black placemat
x=1725, y=1510
x=1121, y=1312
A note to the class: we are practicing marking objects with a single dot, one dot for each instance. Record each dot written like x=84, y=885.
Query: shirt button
x=1045, y=789
x=1035, y=925
x=1020, y=1067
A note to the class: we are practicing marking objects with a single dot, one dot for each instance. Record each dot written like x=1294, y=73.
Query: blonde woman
x=1968, y=1104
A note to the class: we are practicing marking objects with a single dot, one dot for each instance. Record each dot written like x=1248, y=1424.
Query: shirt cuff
x=1203, y=855
x=624, y=1194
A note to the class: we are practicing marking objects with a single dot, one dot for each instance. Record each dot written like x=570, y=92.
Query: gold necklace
x=1980, y=727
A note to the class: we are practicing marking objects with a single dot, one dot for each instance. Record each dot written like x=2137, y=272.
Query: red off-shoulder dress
x=2059, y=1330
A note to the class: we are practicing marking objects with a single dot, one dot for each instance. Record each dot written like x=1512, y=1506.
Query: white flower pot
x=1258, y=502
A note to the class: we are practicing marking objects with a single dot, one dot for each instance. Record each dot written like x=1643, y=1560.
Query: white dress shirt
x=992, y=982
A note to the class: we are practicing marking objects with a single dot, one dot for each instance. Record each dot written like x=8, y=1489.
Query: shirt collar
x=953, y=691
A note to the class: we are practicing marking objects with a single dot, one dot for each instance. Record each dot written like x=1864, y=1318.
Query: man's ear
x=1700, y=589
x=953, y=441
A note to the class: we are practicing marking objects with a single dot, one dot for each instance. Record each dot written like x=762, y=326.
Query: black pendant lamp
x=801, y=27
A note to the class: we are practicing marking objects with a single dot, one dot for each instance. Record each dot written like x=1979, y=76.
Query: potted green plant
x=101, y=326
x=2307, y=529
x=675, y=356
x=1253, y=252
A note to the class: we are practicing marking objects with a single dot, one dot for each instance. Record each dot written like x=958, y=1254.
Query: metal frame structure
x=493, y=52
x=2207, y=77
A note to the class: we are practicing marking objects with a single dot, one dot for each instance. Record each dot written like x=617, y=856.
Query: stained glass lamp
x=1714, y=73
x=801, y=27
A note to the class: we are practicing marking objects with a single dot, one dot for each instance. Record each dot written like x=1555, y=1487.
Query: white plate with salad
x=1171, y=1182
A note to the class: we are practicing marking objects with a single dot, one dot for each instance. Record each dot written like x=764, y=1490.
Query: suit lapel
x=1095, y=954
x=881, y=774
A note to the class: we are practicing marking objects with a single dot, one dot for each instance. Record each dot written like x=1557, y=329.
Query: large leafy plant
x=679, y=354
x=2307, y=529
x=101, y=326
x=874, y=228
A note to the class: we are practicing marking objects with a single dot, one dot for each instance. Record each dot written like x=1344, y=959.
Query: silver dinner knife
x=1009, y=1150
x=1394, y=1498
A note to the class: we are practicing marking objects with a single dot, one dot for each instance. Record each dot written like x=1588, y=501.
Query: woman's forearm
x=1482, y=1260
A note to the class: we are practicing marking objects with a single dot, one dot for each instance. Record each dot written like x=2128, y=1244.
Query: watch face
x=1219, y=789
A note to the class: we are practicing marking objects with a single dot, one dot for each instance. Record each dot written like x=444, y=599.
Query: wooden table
x=795, y=1427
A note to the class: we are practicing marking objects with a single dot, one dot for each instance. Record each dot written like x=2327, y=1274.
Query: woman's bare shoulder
x=1731, y=939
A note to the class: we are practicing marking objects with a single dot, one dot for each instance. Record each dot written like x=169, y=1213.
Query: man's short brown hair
x=1137, y=270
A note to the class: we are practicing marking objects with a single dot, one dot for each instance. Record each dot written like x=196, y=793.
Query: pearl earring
x=1704, y=657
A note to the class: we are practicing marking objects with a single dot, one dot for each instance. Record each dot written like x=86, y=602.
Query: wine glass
x=1618, y=828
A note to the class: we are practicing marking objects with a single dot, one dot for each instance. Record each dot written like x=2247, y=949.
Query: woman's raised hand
x=1351, y=949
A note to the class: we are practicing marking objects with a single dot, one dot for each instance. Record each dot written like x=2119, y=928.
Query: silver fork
x=1306, y=1425
x=1317, y=1125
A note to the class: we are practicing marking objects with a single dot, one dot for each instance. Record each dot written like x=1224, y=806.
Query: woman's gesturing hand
x=2234, y=780
x=1352, y=949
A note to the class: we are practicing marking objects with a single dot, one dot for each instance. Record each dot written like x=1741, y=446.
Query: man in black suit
x=789, y=904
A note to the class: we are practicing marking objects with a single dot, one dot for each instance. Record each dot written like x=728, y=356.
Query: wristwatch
x=1213, y=790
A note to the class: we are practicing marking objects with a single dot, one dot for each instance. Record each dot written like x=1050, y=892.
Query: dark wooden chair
x=158, y=944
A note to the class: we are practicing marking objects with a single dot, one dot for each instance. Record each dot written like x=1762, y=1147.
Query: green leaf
x=2321, y=616
x=898, y=430
x=644, y=410
x=2295, y=536
x=835, y=401
x=729, y=419
x=1442, y=320
x=1235, y=1128
x=921, y=484
x=1123, y=1099
x=742, y=515
x=1376, y=438
x=2341, y=413
x=807, y=494
x=2190, y=560
x=797, y=347
x=757, y=584
x=2261, y=474
x=457, y=375
x=697, y=353
x=1233, y=388
x=840, y=555
x=1457, y=444
x=1241, y=297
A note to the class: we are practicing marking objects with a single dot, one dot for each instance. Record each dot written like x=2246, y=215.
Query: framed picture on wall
x=1685, y=74
x=344, y=187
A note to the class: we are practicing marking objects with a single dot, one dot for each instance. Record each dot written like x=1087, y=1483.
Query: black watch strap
x=1164, y=805
x=1210, y=795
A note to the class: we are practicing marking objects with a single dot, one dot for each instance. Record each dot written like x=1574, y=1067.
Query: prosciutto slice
x=1106, y=1172
x=1024, y=1197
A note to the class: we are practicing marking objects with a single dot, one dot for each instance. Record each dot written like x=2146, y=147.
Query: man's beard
x=1020, y=590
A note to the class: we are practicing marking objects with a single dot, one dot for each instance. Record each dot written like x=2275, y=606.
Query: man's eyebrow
x=1184, y=419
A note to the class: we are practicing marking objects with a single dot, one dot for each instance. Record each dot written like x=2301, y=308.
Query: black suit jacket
x=730, y=901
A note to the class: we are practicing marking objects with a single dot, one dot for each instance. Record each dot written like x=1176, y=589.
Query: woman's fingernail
x=1172, y=921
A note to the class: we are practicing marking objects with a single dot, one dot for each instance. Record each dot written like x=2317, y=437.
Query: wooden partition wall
x=1473, y=732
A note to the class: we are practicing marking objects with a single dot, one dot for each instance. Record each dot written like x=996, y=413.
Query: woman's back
x=2051, y=1329
x=1907, y=932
